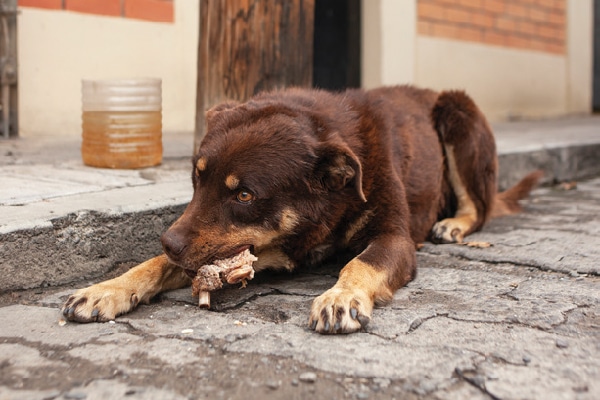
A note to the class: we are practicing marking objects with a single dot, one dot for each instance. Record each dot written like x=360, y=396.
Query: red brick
x=150, y=10
x=517, y=10
x=555, y=48
x=506, y=24
x=548, y=32
x=444, y=30
x=538, y=14
x=560, y=5
x=548, y=47
x=424, y=27
x=495, y=38
x=431, y=11
x=477, y=4
x=445, y=3
x=483, y=20
x=49, y=4
x=100, y=7
x=495, y=6
x=546, y=3
x=519, y=42
x=458, y=16
x=469, y=34
x=526, y=27
x=557, y=17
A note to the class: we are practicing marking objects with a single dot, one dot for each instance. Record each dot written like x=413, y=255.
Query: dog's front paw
x=340, y=310
x=99, y=303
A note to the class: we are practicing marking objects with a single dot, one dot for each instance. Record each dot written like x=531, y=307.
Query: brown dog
x=300, y=175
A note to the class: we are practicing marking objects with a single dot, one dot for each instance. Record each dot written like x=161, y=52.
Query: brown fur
x=300, y=175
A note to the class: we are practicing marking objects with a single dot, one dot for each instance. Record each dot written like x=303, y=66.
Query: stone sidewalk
x=517, y=320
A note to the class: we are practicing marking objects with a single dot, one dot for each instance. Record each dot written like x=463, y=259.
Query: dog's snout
x=173, y=244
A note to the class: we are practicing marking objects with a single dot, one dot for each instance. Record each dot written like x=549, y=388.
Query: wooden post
x=9, y=121
x=247, y=46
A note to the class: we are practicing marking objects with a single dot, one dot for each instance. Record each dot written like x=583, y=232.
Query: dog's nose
x=173, y=245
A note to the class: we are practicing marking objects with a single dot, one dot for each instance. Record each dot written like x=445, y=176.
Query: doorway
x=336, y=56
x=596, y=78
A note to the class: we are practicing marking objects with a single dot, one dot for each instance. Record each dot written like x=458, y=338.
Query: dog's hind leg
x=471, y=165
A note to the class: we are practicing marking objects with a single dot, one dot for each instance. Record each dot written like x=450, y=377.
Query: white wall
x=505, y=82
x=389, y=31
x=580, y=33
x=59, y=48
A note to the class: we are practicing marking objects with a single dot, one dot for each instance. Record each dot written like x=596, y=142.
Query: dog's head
x=264, y=173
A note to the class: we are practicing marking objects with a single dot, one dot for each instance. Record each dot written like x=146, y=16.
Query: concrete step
x=61, y=221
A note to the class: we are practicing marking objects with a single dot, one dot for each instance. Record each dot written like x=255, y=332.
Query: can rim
x=123, y=81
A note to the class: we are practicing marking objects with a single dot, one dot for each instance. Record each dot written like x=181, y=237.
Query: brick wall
x=148, y=10
x=524, y=24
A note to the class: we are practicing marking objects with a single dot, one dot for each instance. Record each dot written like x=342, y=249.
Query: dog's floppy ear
x=338, y=167
x=213, y=113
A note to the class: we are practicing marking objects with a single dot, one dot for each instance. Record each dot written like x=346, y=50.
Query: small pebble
x=187, y=331
x=526, y=359
x=62, y=322
x=382, y=382
x=562, y=344
x=295, y=382
x=492, y=376
x=273, y=385
x=75, y=396
x=309, y=377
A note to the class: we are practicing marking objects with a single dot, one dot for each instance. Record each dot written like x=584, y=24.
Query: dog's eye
x=245, y=197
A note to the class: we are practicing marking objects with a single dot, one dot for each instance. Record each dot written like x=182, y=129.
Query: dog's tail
x=507, y=202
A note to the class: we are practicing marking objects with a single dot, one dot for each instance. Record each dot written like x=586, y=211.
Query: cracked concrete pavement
x=519, y=319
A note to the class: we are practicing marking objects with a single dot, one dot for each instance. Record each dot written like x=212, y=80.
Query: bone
x=231, y=270
x=204, y=299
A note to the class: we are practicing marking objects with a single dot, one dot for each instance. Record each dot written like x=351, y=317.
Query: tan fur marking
x=358, y=275
x=273, y=258
x=232, y=182
x=454, y=229
x=260, y=238
x=289, y=220
x=357, y=225
x=201, y=164
x=466, y=207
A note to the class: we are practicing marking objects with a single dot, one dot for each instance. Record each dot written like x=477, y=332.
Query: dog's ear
x=338, y=167
x=218, y=110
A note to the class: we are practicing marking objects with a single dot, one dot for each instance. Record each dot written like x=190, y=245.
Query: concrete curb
x=81, y=245
x=561, y=164
x=62, y=239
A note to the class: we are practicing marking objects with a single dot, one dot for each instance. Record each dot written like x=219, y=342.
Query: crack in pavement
x=416, y=323
x=520, y=263
x=271, y=292
x=475, y=379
